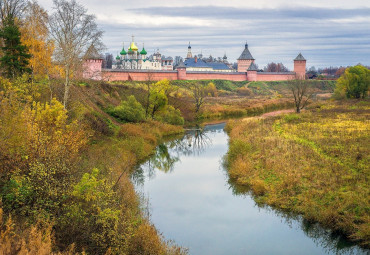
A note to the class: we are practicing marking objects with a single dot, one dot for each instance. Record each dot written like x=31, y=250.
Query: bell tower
x=189, y=55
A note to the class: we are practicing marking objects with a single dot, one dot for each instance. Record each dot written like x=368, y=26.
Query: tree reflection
x=193, y=142
x=162, y=159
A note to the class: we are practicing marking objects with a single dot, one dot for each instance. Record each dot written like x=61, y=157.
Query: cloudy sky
x=326, y=32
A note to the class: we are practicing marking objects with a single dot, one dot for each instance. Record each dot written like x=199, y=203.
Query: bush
x=170, y=115
x=243, y=91
x=129, y=111
x=354, y=83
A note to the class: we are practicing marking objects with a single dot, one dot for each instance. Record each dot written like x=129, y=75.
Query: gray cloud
x=243, y=13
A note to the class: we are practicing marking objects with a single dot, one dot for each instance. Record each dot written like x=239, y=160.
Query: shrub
x=354, y=83
x=129, y=111
x=243, y=91
x=170, y=115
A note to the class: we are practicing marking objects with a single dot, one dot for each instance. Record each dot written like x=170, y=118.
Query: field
x=232, y=99
x=315, y=163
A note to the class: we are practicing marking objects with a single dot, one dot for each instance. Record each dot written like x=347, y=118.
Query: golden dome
x=134, y=47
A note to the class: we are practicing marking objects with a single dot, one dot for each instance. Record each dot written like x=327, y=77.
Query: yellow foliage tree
x=35, y=32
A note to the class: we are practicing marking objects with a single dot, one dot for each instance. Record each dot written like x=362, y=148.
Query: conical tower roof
x=246, y=55
x=181, y=65
x=253, y=67
x=92, y=53
x=300, y=57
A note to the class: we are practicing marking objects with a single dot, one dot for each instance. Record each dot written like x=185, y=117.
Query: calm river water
x=192, y=201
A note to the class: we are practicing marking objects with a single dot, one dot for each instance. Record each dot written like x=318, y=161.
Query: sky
x=326, y=32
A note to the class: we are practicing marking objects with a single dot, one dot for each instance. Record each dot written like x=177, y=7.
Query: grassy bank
x=315, y=163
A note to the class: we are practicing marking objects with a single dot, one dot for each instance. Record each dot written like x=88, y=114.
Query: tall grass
x=315, y=163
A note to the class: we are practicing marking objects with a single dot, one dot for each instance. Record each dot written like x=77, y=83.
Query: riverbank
x=314, y=164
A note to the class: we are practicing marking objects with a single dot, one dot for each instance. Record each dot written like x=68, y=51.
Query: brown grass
x=315, y=163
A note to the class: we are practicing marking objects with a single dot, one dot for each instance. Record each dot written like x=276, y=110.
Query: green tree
x=158, y=97
x=15, y=58
x=170, y=115
x=354, y=83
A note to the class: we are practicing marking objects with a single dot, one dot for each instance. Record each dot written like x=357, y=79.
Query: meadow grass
x=315, y=163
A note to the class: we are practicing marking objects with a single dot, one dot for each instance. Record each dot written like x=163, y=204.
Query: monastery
x=136, y=66
x=133, y=59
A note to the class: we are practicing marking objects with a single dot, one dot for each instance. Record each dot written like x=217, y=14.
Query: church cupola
x=143, y=51
x=123, y=52
x=133, y=45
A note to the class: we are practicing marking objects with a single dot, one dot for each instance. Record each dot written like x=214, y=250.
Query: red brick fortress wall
x=263, y=76
x=216, y=76
x=141, y=75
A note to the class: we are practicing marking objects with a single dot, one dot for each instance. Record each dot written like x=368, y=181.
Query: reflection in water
x=193, y=142
x=198, y=143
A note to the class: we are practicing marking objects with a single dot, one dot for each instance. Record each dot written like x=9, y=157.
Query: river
x=192, y=202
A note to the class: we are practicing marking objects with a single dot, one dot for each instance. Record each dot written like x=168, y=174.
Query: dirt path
x=275, y=113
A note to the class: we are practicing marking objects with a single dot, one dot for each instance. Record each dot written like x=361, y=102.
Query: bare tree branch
x=302, y=93
x=11, y=9
x=73, y=31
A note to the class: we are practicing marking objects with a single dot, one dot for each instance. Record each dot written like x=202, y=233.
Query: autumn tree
x=35, y=37
x=199, y=92
x=73, y=31
x=157, y=97
x=354, y=83
x=302, y=92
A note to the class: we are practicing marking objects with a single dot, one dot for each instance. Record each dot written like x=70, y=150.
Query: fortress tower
x=300, y=67
x=245, y=60
x=92, y=65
